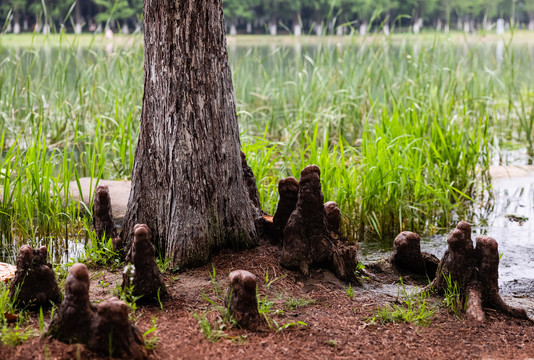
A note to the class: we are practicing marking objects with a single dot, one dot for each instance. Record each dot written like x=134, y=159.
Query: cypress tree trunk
x=187, y=181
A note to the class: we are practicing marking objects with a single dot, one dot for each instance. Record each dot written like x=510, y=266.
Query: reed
x=403, y=130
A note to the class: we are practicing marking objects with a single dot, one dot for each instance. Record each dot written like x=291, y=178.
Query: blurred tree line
x=279, y=16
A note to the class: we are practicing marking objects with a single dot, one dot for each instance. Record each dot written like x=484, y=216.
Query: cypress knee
x=475, y=270
x=35, y=282
x=241, y=299
x=307, y=241
x=146, y=279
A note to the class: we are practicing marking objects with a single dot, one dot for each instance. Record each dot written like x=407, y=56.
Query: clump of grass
x=414, y=308
x=13, y=336
x=151, y=340
x=295, y=303
x=452, y=296
x=164, y=264
x=16, y=333
x=350, y=291
x=216, y=319
x=99, y=252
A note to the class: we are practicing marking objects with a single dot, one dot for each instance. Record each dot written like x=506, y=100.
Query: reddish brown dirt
x=337, y=327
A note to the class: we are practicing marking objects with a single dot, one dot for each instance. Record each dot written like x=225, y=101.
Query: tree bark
x=187, y=181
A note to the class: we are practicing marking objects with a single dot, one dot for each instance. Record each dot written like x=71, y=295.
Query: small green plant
x=293, y=303
x=211, y=333
x=452, y=296
x=99, y=252
x=164, y=264
x=17, y=334
x=413, y=308
x=158, y=297
x=41, y=321
x=269, y=282
x=126, y=294
x=104, y=284
x=215, y=330
x=265, y=306
x=13, y=336
x=267, y=312
x=332, y=343
x=152, y=341
x=350, y=291
x=360, y=271
x=214, y=282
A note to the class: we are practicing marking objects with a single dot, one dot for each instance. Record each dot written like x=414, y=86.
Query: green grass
x=296, y=303
x=452, y=297
x=412, y=307
x=402, y=127
x=16, y=333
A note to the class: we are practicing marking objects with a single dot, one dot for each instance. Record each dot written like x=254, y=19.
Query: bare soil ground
x=336, y=325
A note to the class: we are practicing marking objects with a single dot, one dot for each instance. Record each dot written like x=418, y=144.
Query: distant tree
x=274, y=10
x=419, y=10
x=18, y=9
x=385, y=8
x=362, y=10
x=114, y=10
x=529, y=9
x=239, y=9
x=466, y=12
x=319, y=10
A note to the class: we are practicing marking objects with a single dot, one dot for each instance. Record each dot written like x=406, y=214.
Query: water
x=512, y=196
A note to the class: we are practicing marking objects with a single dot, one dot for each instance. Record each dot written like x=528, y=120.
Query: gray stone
x=119, y=191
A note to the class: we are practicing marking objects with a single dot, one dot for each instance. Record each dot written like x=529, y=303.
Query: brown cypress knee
x=307, y=241
x=102, y=213
x=146, y=279
x=72, y=322
x=241, y=299
x=35, y=282
x=113, y=334
x=407, y=255
x=475, y=270
x=288, y=190
x=106, y=329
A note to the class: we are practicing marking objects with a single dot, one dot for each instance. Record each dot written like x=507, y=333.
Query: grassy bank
x=402, y=130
